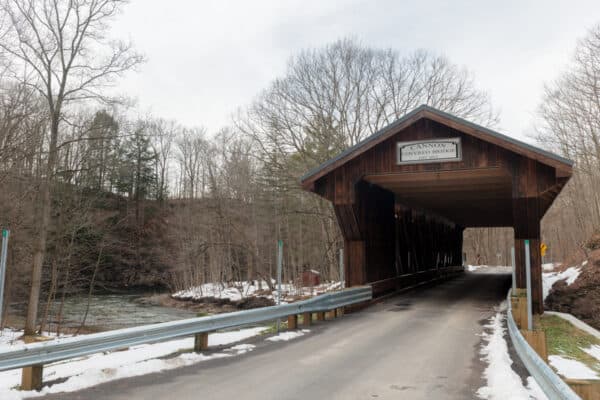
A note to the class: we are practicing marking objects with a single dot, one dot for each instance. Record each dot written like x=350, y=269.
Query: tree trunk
x=44, y=222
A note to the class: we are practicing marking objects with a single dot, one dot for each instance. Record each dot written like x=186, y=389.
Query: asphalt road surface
x=422, y=344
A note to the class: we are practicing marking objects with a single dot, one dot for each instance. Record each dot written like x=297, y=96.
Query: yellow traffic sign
x=543, y=249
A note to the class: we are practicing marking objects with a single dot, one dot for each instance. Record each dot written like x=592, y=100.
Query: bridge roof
x=562, y=165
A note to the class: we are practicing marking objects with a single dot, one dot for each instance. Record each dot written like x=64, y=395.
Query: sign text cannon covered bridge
x=404, y=195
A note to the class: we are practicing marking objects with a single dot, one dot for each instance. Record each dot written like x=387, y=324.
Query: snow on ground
x=488, y=269
x=593, y=351
x=104, y=367
x=236, y=291
x=502, y=382
x=241, y=348
x=550, y=278
x=288, y=335
x=571, y=369
x=9, y=338
x=550, y=266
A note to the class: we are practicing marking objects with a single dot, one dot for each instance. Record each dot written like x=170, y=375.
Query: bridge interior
x=403, y=221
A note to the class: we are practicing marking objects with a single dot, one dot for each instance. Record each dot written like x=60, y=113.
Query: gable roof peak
x=444, y=118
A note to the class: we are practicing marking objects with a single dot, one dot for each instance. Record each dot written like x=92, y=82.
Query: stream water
x=115, y=311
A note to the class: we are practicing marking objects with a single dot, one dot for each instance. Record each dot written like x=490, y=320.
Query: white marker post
x=342, y=278
x=529, y=298
x=5, y=235
x=514, y=270
x=279, y=270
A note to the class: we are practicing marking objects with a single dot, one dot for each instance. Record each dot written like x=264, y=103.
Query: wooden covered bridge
x=404, y=196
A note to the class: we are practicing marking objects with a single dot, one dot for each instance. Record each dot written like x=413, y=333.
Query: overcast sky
x=206, y=58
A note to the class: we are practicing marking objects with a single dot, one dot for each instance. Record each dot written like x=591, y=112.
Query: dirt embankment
x=582, y=297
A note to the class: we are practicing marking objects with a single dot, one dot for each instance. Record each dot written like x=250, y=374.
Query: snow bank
x=502, y=382
x=571, y=369
x=236, y=291
x=9, y=338
x=104, y=367
x=550, y=278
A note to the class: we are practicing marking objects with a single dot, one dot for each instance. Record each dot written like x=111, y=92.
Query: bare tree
x=162, y=133
x=332, y=98
x=570, y=124
x=62, y=49
x=192, y=147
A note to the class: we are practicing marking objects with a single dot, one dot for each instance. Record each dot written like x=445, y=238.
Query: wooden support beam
x=519, y=310
x=339, y=312
x=321, y=316
x=537, y=340
x=586, y=389
x=200, y=342
x=32, y=378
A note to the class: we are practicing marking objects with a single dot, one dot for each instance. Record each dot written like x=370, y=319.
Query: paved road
x=421, y=344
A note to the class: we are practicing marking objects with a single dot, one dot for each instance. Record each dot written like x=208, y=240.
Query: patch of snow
x=502, y=382
x=288, y=335
x=593, y=351
x=242, y=348
x=489, y=269
x=104, y=367
x=549, y=266
x=549, y=279
x=571, y=369
x=236, y=291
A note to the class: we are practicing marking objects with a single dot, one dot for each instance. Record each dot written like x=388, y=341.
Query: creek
x=114, y=311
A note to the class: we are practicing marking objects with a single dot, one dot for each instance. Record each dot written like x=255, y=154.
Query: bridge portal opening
x=404, y=196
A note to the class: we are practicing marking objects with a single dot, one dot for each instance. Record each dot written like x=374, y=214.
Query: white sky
x=206, y=58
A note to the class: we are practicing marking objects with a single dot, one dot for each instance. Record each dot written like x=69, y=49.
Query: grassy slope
x=566, y=340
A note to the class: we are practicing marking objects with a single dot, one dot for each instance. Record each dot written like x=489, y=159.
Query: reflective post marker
x=342, y=278
x=514, y=267
x=5, y=234
x=279, y=268
x=529, y=298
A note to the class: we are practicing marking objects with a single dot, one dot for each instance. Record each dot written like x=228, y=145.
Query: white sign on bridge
x=423, y=151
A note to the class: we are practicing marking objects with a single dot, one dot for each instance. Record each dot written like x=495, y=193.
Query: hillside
x=581, y=297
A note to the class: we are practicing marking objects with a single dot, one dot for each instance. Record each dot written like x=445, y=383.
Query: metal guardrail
x=73, y=347
x=552, y=385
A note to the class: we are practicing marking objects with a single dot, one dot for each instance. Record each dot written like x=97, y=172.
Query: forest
x=100, y=196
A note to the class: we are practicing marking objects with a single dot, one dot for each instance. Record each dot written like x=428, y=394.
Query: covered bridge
x=404, y=195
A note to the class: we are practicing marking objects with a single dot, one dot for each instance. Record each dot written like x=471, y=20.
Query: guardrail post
x=292, y=321
x=32, y=377
x=321, y=316
x=200, y=342
x=306, y=319
x=339, y=312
